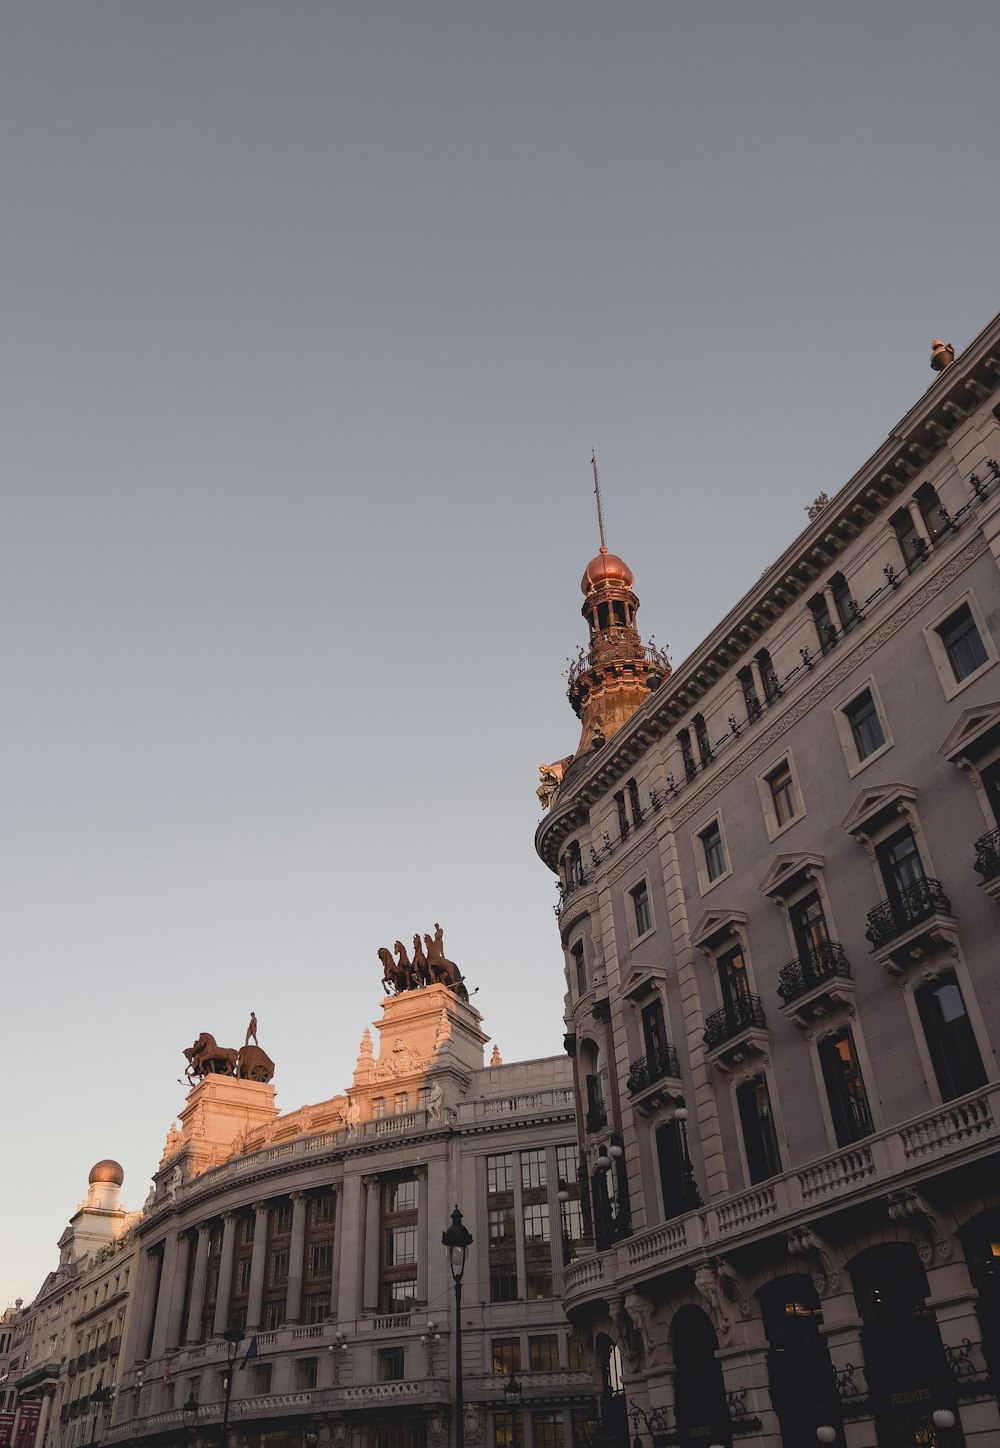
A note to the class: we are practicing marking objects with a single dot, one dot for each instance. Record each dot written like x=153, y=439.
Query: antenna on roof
x=597, y=495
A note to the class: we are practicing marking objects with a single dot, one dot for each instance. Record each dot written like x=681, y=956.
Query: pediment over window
x=717, y=925
x=788, y=873
x=874, y=806
x=976, y=731
x=641, y=981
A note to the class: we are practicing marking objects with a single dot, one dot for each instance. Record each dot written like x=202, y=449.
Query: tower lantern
x=615, y=672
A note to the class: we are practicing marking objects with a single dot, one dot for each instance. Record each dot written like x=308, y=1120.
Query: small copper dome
x=106, y=1171
x=604, y=569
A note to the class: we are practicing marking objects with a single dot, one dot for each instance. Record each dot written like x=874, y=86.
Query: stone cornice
x=921, y=433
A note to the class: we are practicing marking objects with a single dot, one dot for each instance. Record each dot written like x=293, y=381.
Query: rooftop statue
x=207, y=1058
x=430, y=966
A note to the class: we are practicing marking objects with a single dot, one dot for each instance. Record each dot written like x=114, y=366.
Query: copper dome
x=604, y=569
x=106, y=1171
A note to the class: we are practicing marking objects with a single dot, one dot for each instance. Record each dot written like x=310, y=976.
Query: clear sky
x=312, y=316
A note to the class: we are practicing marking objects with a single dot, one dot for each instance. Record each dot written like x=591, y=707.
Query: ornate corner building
x=779, y=906
x=286, y=1274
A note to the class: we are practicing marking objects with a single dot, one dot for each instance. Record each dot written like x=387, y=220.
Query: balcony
x=647, y=1075
x=819, y=979
x=988, y=863
x=736, y=1032
x=916, y=924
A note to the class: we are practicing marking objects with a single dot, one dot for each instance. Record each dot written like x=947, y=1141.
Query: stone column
x=420, y=1172
x=146, y=1301
x=198, y=1284
x=182, y=1257
x=293, y=1298
x=918, y=520
x=338, y=1237
x=164, y=1296
x=224, y=1294
x=43, y=1419
x=369, y=1297
x=258, y=1263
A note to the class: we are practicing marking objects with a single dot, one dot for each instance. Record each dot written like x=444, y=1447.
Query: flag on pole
x=252, y=1351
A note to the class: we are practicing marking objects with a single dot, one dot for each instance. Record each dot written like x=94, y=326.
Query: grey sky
x=313, y=314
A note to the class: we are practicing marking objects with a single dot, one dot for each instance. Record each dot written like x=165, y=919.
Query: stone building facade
x=64, y=1351
x=316, y=1238
x=779, y=884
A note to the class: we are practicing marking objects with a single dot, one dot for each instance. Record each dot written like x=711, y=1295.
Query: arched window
x=951, y=1042
x=908, y=1374
x=614, y=1405
x=800, y=1374
x=981, y=1243
x=699, y=1390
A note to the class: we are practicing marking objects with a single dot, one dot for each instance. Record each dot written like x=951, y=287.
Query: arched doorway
x=907, y=1371
x=614, y=1402
x=981, y=1243
x=801, y=1378
x=699, y=1390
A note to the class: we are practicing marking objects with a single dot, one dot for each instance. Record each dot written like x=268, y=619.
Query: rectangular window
x=809, y=928
x=508, y=1430
x=398, y=1296
x=243, y=1277
x=274, y=1315
x=850, y=615
x=962, y=643
x=390, y=1365
x=400, y=1246
x=715, y=855
x=506, y=1355
x=533, y=1168
x=246, y=1229
x=912, y=546
x=580, y=968
x=654, y=1032
x=825, y=629
x=503, y=1281
x=260, y=1378
x=536, y=1223
x=622, y=815
x=866, y=727
x=538, y=1280
x=701, y=734
x=322, y=1209
x=633, y=799
x=279, y=1266
x=772, y=689
x=690, y=768
x=281, y=1219
x=782, y=793
x=547, y=1430
x=951, y=1041
x=315, y=1307
x=640, y=906
x=750, y=700
x=543, y=1353
x=305, y=1374
x=378, y=1108
x=845, y=1089
x=501, y=1225
x=500, y=1172
x=320, y=1259
x=902, y=869
x=575, y=864
x=759, y=1136
x=400, y=1196
x=734, y=981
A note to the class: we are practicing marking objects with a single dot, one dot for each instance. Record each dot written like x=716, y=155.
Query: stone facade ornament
x=402, y=1060
x=942, y=355
x=923, y=1223
x=472, y=1417
x=550, y=778
x=641, y=1311
x=624, y=1332
x=806, y=1242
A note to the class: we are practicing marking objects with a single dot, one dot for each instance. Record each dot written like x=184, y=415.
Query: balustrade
x=738, y=1015
x=914, y=904
x=812, y=968
x=988, y=856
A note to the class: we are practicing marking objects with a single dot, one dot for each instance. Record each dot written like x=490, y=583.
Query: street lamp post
x=691, y=1193
x=457, y=1240
x=567, y=1241
x=233, y=1336
x=100, y=1397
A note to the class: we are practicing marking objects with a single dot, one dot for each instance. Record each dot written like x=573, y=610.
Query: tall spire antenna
x=597, y=495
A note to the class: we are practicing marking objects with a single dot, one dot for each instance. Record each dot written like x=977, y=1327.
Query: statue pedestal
x=436, y=1025
x=219, y=1109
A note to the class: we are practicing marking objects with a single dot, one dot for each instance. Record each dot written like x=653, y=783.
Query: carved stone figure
x=641, y=1311
x=408, y=972
x=173, y=1144
x=353, y=1118
x=435, y=1103
x=393, y=980
x=550, y=778
x=252, y=1030
x=420, y=960
x=707, y=1283
x=624, y=1333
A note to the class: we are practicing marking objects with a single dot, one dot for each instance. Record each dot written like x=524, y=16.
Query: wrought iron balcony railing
x=597, y=1116
x=819, y=963
x=988, y=856
x=915, y=904
x=651, y=1068
x=728, y=1022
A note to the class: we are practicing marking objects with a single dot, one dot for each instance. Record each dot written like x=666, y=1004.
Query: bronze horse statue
x=207, y=1058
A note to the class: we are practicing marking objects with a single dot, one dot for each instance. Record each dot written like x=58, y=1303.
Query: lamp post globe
x=943, y=1418
x=826, y=1433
